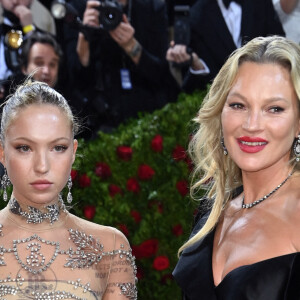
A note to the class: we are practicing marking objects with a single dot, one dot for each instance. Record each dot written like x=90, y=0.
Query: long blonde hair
x=205, y=147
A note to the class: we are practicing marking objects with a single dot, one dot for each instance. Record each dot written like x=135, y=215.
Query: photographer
x=123, y=71
x=218, y=27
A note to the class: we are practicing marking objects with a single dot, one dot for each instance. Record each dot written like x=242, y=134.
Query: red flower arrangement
x=89, y=211
x=124, y=229
x=146, y=249
x=74, y=174
x=157, y=143
x=114, y=190
x=177, y=230
x=182, y=187
x=84, y=181
x=133, y=185
x=158, y=204
x=179, y=153
x=102, y=170
x=124, y=152
x=161, y=263
x=145, y=172
x=136, y=216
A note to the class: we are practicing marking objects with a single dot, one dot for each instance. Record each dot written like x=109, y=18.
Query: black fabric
x=275, y=278
x=227, y=2
x=212, y=41
x=152, y=83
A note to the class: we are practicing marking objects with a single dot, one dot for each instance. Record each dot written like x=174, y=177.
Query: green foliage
x=157, y=216
x=157, y=201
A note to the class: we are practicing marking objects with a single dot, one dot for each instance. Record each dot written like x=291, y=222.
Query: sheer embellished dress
x=70, y=259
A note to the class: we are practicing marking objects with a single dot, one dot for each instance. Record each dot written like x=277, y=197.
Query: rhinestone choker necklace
x=266, y=196
x=36, y=216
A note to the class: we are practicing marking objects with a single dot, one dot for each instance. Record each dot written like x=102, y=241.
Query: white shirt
x=233, y=19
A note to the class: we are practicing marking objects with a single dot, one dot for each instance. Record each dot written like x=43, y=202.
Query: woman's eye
x=23, y=148
x=236, y=105
x=60, y=148
x=276, y=109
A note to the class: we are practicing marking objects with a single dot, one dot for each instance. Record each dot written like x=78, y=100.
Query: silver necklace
x=36, y=216
x=266, y=196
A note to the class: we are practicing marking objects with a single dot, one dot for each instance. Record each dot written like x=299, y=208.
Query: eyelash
x=236, y=105
x=274, y=109
x=57, y=148
x=277, y=108
x=61, y=148
x=21, y=148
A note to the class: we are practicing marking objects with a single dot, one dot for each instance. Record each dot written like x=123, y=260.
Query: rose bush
x=136, y=179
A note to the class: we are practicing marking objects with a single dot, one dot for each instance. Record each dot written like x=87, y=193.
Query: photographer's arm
x=124, y=37
x=178, y=54
x=90, y=18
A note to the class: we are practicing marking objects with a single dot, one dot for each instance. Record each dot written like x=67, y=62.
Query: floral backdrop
x=137, y=180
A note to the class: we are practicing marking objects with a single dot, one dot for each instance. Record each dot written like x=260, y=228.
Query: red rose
x=74, y=174
x=124, y=152
x=136, y=216
x=124, y=229
x=145, y=172
x=179, y=153
x=102, y=170
x=89, y=211
x=182, y=187
x=84, y=181
x=159, y=205
x=133, y=185
x=177, y=230
x=157, y=143
x=114, y=189
x=148, y=248
x=161, y=263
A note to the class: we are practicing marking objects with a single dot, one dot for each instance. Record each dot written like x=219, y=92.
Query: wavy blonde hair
x=205, y=147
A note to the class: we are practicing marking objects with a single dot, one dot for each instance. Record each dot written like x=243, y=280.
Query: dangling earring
x=296, y=148
x=5, y=183
x=225, y=152
x=69, y=197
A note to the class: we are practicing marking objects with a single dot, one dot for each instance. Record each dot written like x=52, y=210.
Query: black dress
x=276, y=278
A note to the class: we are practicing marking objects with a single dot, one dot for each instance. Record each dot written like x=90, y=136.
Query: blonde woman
x=46, y=252
x=246, y=246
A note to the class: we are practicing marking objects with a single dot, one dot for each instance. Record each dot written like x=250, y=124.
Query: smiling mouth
x=253, y=143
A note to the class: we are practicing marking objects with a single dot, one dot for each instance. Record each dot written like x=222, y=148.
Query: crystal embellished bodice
x=73, y=260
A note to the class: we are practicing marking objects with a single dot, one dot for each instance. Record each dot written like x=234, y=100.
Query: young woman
x=46, y=252
x=246, y=245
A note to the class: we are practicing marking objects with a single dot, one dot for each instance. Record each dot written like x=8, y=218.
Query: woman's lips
x=251, y=144
x=41, y=184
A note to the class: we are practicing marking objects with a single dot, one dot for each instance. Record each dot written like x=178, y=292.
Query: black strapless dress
x=276, y=278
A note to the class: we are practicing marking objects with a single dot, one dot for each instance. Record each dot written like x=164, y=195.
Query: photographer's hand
x=179, y=55
x=90, y=18
x=24, y=15
x=124, y=37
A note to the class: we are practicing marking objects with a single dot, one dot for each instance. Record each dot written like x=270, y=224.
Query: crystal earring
x=69, y=197
x=5, y=183
x=223, y=146
x=296, y=148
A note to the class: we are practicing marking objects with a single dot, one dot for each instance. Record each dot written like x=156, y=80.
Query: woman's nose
x=41, y=164
x=253, y=121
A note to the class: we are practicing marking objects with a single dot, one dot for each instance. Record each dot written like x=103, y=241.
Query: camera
x=182, y=33
x=111, y=14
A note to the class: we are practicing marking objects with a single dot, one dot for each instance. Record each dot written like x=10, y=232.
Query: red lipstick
x=251, y=144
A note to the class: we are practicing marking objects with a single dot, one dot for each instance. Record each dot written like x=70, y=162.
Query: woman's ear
x=75, y=145
x=2, y=157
